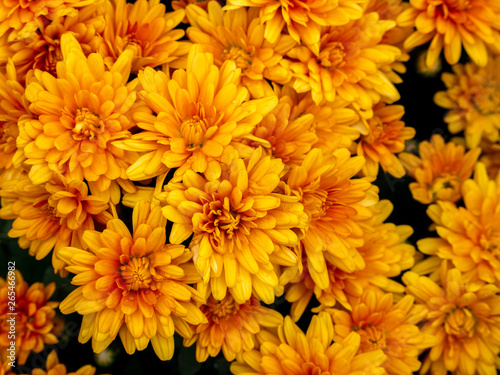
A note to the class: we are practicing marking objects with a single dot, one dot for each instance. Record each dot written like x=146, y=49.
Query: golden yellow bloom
x=53, y=367
x=303, y=19
x=34, y=322
x=49, y=216
x=238, y=35
x=386, y=326
x=451, y=24
x=473, y=98
x=134, y=285
x=470, y=235
x=237, y=221
x=384, y=254
x=440, y=170
x=77, y=117
x=145, y=29
x=310, y=353
x=386, y=137
x=200, y=112
x=231, y=327
x=348, y=64
x=465, y=320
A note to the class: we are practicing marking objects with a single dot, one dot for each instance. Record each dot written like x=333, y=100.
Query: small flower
x=53, y=367
x=34, y=320
x=440, y=171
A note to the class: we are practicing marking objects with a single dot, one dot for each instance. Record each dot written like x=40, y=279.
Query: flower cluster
x=192, y=167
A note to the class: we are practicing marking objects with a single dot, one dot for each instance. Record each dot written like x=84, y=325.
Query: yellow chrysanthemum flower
x=440, y=170
x=473, y=98
x=53, y=367
x=34, y=319
x=384, y=254
x=231, y=327
x=238, y=35
x=384, y=325
x=238, y=221
x=386, y=137
x=77, y=117
x=303, y=19
x=470, y=235
x=200, y=112
x=348, y=64
x=49, y=216
x=465, y=320
x=451, y=24
x=134, y=285
x=310, y=353
x=144, y=28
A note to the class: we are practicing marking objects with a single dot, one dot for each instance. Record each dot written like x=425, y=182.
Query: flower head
x=473, y=100
x=133, y=284
x=463, y=317
x=53, y=367
x=440, y=171
x=34, y=322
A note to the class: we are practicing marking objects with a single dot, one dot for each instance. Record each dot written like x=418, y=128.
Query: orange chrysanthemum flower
x=134, y=285
x=199, y=113
x=231, y=327
x=470, y=235
x=386, y=326
x=238, y=221
x=144, y=28
x=440, y=171
x=311, y=353
x=34, y=319
x=473, y=98
x=451, y=24
x=384, y=254
x=77, y=117
x=53, y=367
x=303, y=19
x=348, y=64
x=465, y=320
x=386, y=137
x=49, y=216
x=238, y=35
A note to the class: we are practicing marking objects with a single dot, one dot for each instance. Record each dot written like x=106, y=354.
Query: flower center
x=133, y=44
x=447, y=181
x=316, y=203
x=460, y=322
x=491, y=241
x=372, y=338
x=136, y=272
x=53, y=56
x=220, y=310
x=242, y=58
x=454, y=9
x=487, y=101
x=193, y=131
x=87, y=125
x=332, y=55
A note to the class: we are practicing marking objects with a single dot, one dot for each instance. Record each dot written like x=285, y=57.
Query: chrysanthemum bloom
x=473, y=98
x=134, y=285
x=238, y=35
x=13, y=106
x=470, y=235
x=386, y=326
x=440, y=170
x=199, y=113
x=144, y=28
x=465, y=320
x=77, y=117
x=348, y=64
x=237, y=221
x=310, y=353
x=384, y=255
x=490, y=157
x=303, y=19
x=231, y=327
x=451, y=24
x=386, y=137
x=53, y=367
x=49, y=216
x=34, y=321
x=42, y=51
